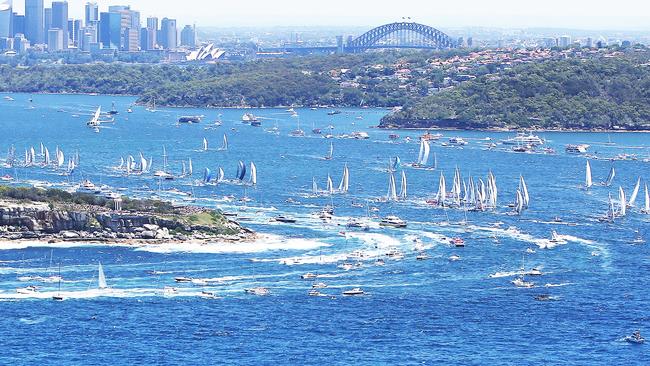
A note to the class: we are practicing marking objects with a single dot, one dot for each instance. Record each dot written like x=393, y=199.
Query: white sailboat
x=441, y=197
x=330, y=185
x=610, y=177
x=95, y=122
x=423, y=156
x=330, y=155
x=101, y=278
x=519, y=203
x=344, y=186
x=221, y=176
x=635, y=193
x=392, y=189
x=524, y=191
x=205, y=144
x=588, y=181
x=622, y=201
x=646, y=209
x=403, y=193
x=253, y=177
x=224, y=146
x=314, y=186
x=190, y=168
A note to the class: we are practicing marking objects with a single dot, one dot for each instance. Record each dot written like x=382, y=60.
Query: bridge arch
x=370, y=39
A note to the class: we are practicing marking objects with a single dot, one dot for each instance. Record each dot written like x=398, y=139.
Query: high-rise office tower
x=34, y=24
x=60, y=19
x=6, y=16
x=168, y=34
x=92, y=13
x=18, y=25
x=188, y=36
x=109, y=30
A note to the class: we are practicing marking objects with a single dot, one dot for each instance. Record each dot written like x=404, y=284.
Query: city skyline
x=594, y=15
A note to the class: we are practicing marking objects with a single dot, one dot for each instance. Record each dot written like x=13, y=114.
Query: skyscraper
x=47, y=22
x=60, y=19
x=168, y=34
x=188, y=36
x=19, y=24
x=109, y=30
x=55, y=40
x=6, y=15
x=92, y=13
x=34, y=25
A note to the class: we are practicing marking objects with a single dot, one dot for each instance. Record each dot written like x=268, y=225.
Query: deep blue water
x=415, y=312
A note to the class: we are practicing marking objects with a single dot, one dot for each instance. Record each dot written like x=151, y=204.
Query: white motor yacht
x=524, y=139
x=521, y=282
x=393, y=221
x=258, y=291
x=354, y=292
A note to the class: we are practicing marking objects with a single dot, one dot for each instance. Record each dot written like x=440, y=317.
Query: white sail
x=121, y=163
x=46, y=159
x=524, y=191
x=42, y=149
x=442, y=190
x=425, y=153
x=331, y=152
x=314, y=186
x=205, y=144
x=421, y=153
x=519, y=203
x=221, y=176
x=330, y=185
x=190, y=167
x=101, y=280
x=647, y=201
x=635, y=193
x=253, y=178
x=392, y=189
x=402, y=193
x=611, y=211
x=621, y=198
x=588, y=180
x=224, y=145
x=143, y=164
x=610, y=177
x=344, y=186
x=435, y=161
x=60, y=159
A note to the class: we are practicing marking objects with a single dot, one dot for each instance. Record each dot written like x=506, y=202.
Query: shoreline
x=508, y=130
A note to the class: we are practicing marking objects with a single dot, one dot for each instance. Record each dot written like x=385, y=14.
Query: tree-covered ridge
x=344, y=80
x=595, y=93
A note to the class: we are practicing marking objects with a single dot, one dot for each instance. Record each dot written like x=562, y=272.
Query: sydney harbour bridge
x=393, y=35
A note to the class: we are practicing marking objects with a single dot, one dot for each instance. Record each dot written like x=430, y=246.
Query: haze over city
x=595, y=15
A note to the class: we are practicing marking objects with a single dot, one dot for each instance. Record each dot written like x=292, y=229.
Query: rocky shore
x=43, y=222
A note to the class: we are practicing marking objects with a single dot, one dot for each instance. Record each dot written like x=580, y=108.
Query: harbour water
x=443, y=310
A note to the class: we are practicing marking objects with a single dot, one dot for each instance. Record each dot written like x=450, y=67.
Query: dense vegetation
x=57, y=196
x=278, y=82
x=595, y=93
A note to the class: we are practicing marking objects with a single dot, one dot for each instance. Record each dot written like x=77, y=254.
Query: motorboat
x=297, y=133
x=577, y=149
x=354, y=292
x=346, y=266
x=524, y=139
x=309, y=276
x=285, y=219
x=556, y=238
x=190, y=119
x=457, y=242
x=29, y=290
x=248, y=118
x=88, y=187
x=163, y=175
x=258, y=291
x=333, y=113
x=208, y=295
x=430, y=137
x=319, y=285
x=457, y=141
x=635, y=338
x=393, y=137
x=182, y=279
x=256, y=123
x=422, y=257
x=380, y=262
x=523, y=148
x=316, y=293
x=393, y=221
x=454, y=258
x=360, y=135
x=521, y=282
x=534, y=272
